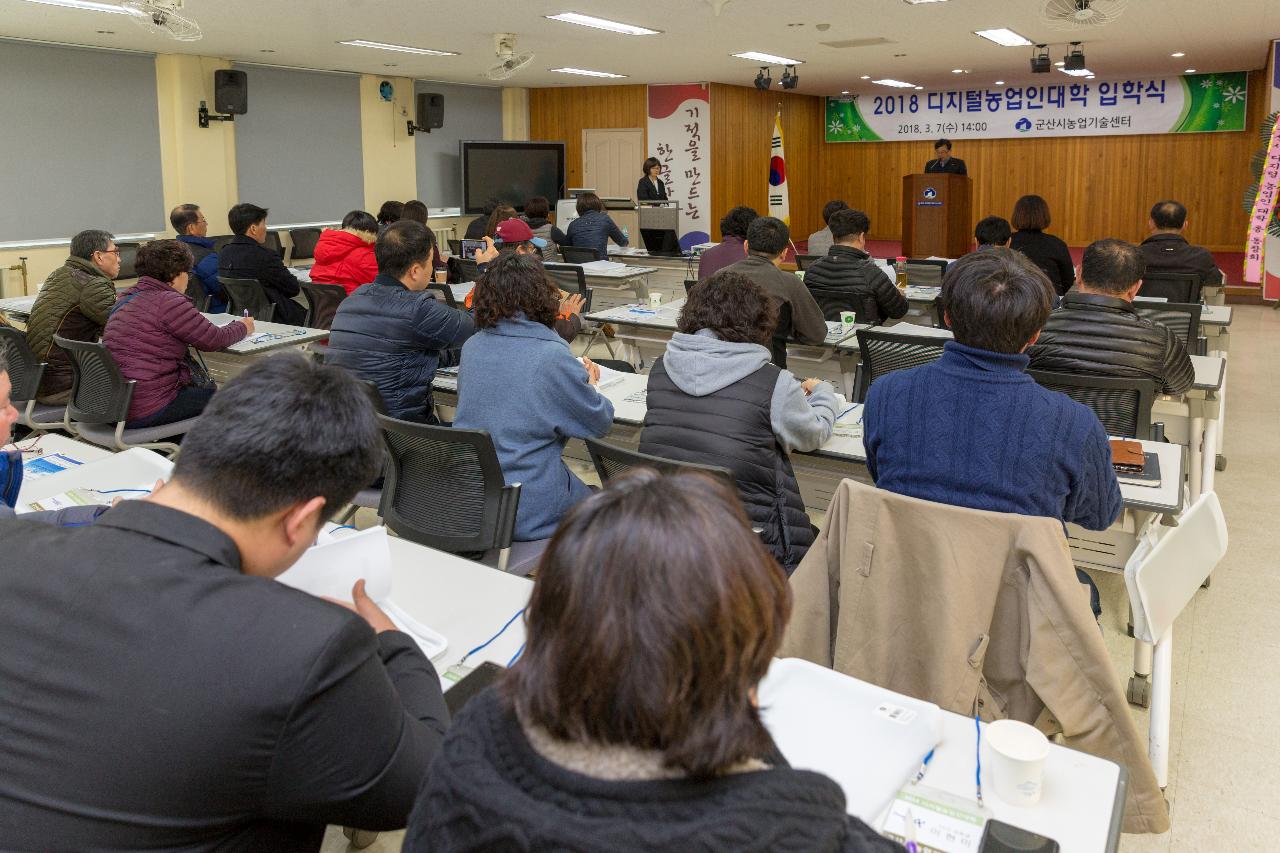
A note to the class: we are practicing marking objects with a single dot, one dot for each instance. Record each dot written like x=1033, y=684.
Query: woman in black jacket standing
x=1030, y=218
x=652, y=188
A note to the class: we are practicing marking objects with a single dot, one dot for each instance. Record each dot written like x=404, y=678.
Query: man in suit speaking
x=944, y=162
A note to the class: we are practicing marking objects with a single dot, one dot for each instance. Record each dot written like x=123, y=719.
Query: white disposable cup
x=655, y=300
x=848, y=318
x=1015, y=754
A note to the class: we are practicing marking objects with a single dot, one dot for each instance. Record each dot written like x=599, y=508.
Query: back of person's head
x=284, y=431
x=768, y=236
x=831, y=208
x=244, y=216
x=849, y=223
x=84, y=244
x=414, y=211
x=996, y=300
x=183, y=217
x=588, y=202
x=1031, y=213
x=515, y=284
x=401, y=246
x=655, y=613
x=500, y=214
x=993, y=231
x=163, y=260
x=361, y=221
x=391, y=211
x=1169, y=215
x=491, y=204
x=537, y=207
x=731, y=305
x=1112, y=266
x=736, y=222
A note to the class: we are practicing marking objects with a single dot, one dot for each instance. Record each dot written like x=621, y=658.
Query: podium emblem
x=930, y=192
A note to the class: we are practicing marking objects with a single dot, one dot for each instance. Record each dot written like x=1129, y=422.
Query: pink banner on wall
x=680, y=137
x=1271, y=258
x=1264, y=206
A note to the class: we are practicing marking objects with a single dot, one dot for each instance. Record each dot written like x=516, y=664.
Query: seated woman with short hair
x=630, y=721
x=150, y=329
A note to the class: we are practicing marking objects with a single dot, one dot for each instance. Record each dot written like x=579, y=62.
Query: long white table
x=266, y=338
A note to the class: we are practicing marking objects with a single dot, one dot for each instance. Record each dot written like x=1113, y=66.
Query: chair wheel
x=1220, y=463
x=359, y=838
x=1139, y=692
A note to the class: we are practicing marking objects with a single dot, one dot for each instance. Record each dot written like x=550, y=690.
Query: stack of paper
x=603, y=267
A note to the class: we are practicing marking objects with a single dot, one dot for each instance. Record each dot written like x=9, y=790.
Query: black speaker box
x=230, y=92
x=430, y=110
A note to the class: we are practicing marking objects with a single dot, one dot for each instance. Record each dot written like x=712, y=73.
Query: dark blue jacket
x=592, y=230
x=245, y=257
x=395, y=338
x=972, y=429
x=205, y=275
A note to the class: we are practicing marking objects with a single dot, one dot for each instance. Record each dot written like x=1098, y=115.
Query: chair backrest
x=579, y=254
x=610, y=461
x=444, y=488
x=1165, y=578
x=455, y=247
x=470, y=270
x=247, y=294
x=1183, y=319
x=803, y=262
x=25, y=371
x=1175, y=287
x=689, y=284
x=446, y=294
x=884, y=351
x=322, y=303
x=128, y=260
x=568, y=277
x=1123, y=405
x=304, y=243
x=99, y=392
x=781, y=334
x=274, y=242
x=200, y=300
x=939, y=315
x=221, y=240
x=925, y=273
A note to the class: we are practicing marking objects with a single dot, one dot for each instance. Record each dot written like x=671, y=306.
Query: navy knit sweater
x=972, y=429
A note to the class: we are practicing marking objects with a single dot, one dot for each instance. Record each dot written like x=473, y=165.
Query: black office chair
x=322, y=303
x=221, y=240
x=468, y=269
x=455, y=247
x=939, y=315
x=99, y=405
x=579, y=254
x=610, y=461
x=1183, y=319
x=1176, y=287
x=274, y=242
x=689, y=284
x=128, y=260
x=924, y=272
x=304, y=242
x=884, y=351
x=1123, y=405
x=444, y=488
x=803, y=262
x=442, y=293
x=781, y=334
x=25, y=373
x=568, y=277
x=247, y=294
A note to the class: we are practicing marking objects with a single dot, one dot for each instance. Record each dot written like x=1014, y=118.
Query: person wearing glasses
x=193, y=229
x=74, y=303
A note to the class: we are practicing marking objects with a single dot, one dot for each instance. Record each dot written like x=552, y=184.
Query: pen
x=246, y=313
x=909, y=834
x=924, y=765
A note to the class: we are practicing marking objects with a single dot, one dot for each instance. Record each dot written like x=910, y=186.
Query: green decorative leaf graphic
x=846, y=124
x=1215, y=102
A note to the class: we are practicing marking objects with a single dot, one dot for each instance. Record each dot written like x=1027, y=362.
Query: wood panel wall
x=561, y=114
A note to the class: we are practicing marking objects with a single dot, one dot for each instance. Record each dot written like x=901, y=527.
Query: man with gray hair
x=74, y=302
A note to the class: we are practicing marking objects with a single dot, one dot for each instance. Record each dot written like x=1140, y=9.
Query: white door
x=611, y=161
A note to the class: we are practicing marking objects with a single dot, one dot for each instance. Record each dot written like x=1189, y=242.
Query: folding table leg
x=1161, y=692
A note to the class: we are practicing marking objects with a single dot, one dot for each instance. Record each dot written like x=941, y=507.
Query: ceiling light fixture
x=866, y=77
x=1178, y=55
x=1004, y=37
x=958, y=71
x=922, y=2
x=1074, y=61
x=399, y=48
x=897, y=84
x=999, y=82
x=1077, y=72
x=586, y=73
x=602, y=24
x=844, y=92
x=790, y=79
x=109, y=8
x=763, y=80
x=756, y=56
x=1189, y=71
x=1040, y=63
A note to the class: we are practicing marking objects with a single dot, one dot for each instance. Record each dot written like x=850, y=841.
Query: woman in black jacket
x=652, y=188
x=630, y=722
x=1030, y=218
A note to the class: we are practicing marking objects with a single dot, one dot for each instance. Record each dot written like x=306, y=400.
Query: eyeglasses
x=109, y=251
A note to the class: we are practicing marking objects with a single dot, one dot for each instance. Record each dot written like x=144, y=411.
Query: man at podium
x=943, y=161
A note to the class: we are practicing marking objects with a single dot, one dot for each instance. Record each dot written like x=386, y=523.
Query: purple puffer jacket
x=148, y=334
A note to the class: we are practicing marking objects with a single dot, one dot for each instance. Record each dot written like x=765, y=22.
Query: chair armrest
x=508, y=503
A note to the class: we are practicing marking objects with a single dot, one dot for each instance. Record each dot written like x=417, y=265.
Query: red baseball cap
x=517, y=231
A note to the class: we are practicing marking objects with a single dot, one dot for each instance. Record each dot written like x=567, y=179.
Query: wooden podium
x=936, y=215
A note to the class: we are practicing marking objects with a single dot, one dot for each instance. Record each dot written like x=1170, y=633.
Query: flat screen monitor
x=510, y=171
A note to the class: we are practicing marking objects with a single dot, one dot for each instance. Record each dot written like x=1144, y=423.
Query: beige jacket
x=976, y=611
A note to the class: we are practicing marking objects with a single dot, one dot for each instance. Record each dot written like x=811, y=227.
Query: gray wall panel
x=470, y=112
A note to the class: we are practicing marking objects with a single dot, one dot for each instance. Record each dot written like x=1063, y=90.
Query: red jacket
x=148, y=334
x=344, y=258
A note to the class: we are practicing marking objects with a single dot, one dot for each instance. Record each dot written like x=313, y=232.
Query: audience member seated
x=972, y=429
x=733, y=242
x=515, y=235
x=714, y=398
x=1167, y=251
x=820, y=242
x=848, y=279
x=74, y=302
x=630, y=722
x=521, y=384
x=500, y=214
x=1096, y=332
x=345, y=256
x=416, y=211
x=246, y=256
x=394, y=334
x=389, y=214
x=536, y=212
x=1031, y=217
x=766, y=245
x=477, y=226
x=993, y=231
x=149, y=332
x=192, y=228
x=187, y=700
x=593, y=228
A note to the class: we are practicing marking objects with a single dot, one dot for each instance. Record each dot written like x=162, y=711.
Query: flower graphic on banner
x=1233, y=94
x=836, y=126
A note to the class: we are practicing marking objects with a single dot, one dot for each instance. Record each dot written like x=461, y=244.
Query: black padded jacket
x=847, y=279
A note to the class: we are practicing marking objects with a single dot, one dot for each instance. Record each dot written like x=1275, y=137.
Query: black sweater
x=488, y=789
x=1050, y=254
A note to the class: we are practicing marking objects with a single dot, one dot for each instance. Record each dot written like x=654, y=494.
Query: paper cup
x=848, y=318
x=1015, y=754
x=655, y=300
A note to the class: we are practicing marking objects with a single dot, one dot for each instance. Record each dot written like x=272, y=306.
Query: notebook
x=1148, y=476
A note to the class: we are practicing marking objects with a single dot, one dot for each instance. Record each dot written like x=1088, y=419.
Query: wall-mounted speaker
x=430, y=111
x=230, y=92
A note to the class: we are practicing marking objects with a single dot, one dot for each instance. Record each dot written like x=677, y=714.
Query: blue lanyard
x=501, y=631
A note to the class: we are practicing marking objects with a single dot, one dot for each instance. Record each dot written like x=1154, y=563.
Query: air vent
x=857, y=42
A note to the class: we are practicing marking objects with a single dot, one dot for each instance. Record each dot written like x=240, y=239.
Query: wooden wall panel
x=561, y=114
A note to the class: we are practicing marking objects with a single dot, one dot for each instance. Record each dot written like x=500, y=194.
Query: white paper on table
x=608, y=376
x=603, y=267
x=84, y=497
x=220, y=319
x=331, y=567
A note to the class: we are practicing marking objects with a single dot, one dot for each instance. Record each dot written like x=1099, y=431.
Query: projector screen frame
x=465, y=146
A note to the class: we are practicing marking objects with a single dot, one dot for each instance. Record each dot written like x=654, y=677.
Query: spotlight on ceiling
x=790, y=79
x=1040, y=62
x=1073, y=61
x=763, y=80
